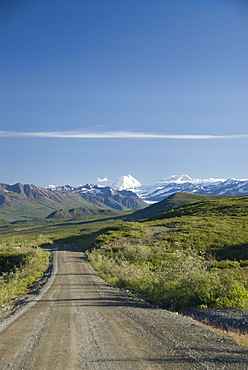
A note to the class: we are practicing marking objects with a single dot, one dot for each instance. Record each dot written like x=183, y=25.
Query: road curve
x=80, y=322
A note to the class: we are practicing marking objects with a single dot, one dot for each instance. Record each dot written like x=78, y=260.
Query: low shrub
x=31, y=263
x=180, y=278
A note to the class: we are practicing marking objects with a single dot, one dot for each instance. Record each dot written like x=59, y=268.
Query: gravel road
x=80, y=322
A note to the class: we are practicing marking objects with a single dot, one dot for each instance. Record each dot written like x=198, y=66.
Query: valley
x=188, y=251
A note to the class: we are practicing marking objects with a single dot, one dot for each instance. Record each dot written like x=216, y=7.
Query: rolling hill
x=167, y=204
x=73, y=213
x=214, y=206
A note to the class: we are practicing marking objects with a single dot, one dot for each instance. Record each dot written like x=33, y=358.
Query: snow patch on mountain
x=51, y=187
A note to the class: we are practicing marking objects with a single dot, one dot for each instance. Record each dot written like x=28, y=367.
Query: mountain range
x=182, y=184
x=20, y=201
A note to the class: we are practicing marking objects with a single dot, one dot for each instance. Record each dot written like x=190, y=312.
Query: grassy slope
x=171, y=202
x=180, y=258
x=218, y=206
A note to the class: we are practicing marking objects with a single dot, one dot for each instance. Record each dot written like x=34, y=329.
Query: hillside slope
x=74, y=213
x=167, y=204
x=213, y=206
x=194, y=255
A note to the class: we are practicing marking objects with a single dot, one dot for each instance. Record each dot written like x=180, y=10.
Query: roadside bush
x=20, y=277
x=209, y=291
x=181, y=280
x=231, y=293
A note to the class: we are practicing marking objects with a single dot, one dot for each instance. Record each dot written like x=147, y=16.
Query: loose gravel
x=228, y=320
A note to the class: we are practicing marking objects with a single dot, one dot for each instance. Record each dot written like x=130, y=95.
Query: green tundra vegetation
x=20, y=267
x=193, y=255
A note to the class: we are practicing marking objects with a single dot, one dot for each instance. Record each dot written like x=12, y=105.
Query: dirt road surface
x=80, y=322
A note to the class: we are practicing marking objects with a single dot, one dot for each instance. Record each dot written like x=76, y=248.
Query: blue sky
x=94, y=89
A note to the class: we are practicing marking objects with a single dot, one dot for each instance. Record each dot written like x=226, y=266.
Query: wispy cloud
x=113, y=135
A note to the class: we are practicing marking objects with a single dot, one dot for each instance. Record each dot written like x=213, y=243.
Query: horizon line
x=114, y=135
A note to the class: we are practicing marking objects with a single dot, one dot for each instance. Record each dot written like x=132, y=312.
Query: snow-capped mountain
x=186, y=178
x=185, y=184
x=126, y=182
x=177, y=178
x=160, y=190
x=98, y=195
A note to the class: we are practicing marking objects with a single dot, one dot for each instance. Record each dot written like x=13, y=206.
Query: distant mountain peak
x=178, y=178
x=126, y=182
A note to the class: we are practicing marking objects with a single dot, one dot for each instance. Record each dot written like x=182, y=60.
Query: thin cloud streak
x=113, y=135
